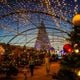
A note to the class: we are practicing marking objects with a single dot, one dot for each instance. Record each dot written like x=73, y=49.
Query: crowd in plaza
x=11, y=59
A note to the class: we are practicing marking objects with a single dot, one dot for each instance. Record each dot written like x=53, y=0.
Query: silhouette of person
x=47, y=63
x=31, y=66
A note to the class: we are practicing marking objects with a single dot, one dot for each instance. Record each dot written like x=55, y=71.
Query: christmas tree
x=70, y=63
x=75, y=33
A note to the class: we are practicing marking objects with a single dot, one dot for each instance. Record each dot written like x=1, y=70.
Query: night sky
x=19, y=20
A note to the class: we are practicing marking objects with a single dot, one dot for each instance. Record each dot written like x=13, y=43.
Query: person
x=25, y=74
x=31, y=65
x=47, y=63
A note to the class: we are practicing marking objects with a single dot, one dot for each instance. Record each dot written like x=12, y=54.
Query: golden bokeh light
x=76, y=20
x=78, y=73
x=1, y=50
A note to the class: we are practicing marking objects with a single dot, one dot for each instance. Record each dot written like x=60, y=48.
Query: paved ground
x=39, y=73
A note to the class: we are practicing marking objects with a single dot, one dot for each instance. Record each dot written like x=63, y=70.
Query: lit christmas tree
x=75, y=34
x=70, y=64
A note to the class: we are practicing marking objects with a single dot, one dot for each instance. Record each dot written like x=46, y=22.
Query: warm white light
x=76, y=50
x=1, y=50
x=78, y=73
x=75, y=45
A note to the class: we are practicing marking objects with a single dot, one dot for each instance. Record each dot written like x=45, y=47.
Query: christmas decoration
x=67, y=48
x=70, y=63
x=76, y=20
x=75, y=33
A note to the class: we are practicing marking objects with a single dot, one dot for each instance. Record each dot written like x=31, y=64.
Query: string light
x=62, y=8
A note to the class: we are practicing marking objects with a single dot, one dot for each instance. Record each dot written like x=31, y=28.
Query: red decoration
x=67, y=48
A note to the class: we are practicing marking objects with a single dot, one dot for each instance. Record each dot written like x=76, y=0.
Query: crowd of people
x=30, y=57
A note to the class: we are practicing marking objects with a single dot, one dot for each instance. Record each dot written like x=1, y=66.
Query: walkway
x=39, y=73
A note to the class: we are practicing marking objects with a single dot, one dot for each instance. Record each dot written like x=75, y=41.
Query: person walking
x=31, y=65
x=47, y=63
